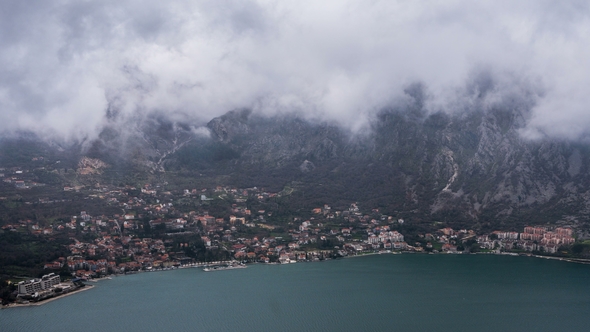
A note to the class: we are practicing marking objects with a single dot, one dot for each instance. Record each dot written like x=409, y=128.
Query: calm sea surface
x=373, y=293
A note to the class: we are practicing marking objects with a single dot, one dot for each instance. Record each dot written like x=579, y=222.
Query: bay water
x=372, y=293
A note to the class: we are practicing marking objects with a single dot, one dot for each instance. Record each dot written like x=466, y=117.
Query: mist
x=70, y=68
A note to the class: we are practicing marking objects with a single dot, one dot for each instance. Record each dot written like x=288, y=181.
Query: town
x=160, y=228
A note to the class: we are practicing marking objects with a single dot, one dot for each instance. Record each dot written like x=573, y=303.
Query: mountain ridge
x=469, y=167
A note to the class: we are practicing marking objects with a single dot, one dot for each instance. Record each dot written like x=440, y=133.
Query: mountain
x=471, y=168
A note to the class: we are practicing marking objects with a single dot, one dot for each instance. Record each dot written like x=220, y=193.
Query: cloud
x=68, y=68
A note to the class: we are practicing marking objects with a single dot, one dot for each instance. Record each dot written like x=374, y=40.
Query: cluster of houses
x=387, y=239
x=146, y=252
x=367, y=234
x=306, y=241
x=19, y=177
x=270, y=250
x=531, y=239
x=121, y=245
x=134, y=240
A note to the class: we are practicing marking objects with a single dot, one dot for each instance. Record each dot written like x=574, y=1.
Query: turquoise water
x=378, y=293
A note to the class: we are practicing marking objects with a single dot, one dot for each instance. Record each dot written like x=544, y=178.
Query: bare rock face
x=141, y=145
x=230, y=125
x=472, y=163
x=306, y=166
x=87, y=166
x=275, y=141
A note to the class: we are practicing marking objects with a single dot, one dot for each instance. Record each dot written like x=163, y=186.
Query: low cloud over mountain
x=68, y=68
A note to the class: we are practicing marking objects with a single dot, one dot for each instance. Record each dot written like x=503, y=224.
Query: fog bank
x=68, y=68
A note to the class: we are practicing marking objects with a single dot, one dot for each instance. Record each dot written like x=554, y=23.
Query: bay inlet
x=378, y=293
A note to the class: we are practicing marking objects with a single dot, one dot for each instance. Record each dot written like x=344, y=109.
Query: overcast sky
x=65, y=64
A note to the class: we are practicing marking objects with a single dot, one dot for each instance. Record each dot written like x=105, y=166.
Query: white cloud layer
x=66, y=64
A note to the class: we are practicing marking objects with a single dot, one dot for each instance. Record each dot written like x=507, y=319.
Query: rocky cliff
x=471, y=165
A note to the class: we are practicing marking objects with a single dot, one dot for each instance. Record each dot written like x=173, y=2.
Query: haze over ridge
x=68, y=68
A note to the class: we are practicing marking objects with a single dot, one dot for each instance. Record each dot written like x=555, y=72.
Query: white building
x=36, y=285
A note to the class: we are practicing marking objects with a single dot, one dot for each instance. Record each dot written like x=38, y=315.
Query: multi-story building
x=36, y=285
x=565, y=232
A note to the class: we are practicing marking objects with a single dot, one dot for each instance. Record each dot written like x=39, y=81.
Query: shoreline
x=87, y=287
x=375, y=253
x=569, y=260
x=563, y=259
x=18, y=305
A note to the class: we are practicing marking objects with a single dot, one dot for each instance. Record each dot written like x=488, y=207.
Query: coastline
x=570, y=260
x=16, y=305
x=325, y=289
x=563, y=259
x=87, y=287
x=375, y=253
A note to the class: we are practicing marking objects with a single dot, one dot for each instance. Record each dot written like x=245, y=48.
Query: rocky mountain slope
x=471, y=167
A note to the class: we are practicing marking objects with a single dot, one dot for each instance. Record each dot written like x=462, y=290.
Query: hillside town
x=159, y=228
x=151, y=233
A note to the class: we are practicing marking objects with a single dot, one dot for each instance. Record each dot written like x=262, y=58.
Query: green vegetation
x=581, y=250
x=25, y=254
x=398, y=170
